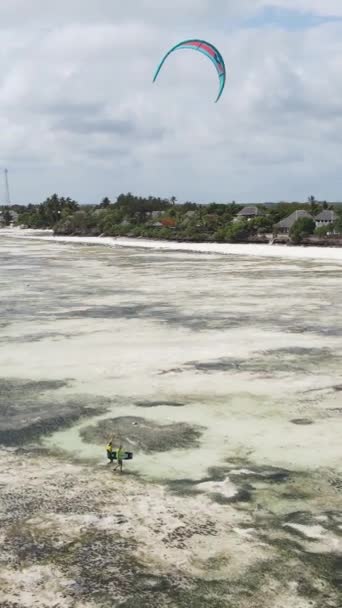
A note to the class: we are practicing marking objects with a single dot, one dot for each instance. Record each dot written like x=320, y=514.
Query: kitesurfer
x=119, y=456
x=109, y=449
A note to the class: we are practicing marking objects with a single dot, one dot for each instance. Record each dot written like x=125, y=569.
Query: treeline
x=154, y=217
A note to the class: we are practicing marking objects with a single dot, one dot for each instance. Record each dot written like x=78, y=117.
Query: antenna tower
x=8, y=198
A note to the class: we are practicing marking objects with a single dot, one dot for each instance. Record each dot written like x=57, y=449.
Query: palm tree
x=105, y=202
x=314, y=204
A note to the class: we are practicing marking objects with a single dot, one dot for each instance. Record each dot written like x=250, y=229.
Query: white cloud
x=317, y=7
x=79, y=113
x=21, y=12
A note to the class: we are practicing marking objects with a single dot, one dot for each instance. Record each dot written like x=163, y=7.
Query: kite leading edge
x=207, y=49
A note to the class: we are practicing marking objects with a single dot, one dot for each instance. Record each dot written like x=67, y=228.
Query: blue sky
x=79, y=114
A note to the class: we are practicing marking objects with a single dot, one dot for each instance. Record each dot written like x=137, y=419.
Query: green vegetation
x=6, y=217
x=338, y=223
x=49, y=213
x=323, y=230
x=301, y=229
x=161, y=218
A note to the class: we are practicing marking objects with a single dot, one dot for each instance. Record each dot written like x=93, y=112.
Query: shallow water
x=246, y=345
x=222, y=372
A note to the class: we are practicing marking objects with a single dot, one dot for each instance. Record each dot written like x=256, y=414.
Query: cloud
x=51, y=14
x=88, y=126
x=77, y=101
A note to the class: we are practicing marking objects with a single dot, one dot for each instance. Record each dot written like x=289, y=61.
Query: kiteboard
x=125, y=456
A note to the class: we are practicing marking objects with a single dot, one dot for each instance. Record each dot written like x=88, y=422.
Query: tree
x=189, y=206
x=164, y=233
x=132, y=205
x=7, y=218
x=237, y=231
x=314, y=205
x=302, y=228
x=49, y=213
x=80, y=223
x=220, y=235
x=261, y=224
x=104, y=203
x=338, y=223
x=323, y=230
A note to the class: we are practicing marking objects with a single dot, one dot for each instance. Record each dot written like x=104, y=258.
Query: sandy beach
x=255, y=250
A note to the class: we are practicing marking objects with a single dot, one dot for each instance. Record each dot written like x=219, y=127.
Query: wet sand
x=222, y=373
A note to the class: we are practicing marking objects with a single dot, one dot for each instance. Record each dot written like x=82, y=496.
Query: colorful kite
x=207, y=49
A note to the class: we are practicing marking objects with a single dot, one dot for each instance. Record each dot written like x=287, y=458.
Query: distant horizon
x=242, y=203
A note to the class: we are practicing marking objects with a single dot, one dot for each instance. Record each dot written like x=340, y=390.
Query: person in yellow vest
x=119, y=456
x=109, y=448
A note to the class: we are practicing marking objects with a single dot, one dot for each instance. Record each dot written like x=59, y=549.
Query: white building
x=326, y=217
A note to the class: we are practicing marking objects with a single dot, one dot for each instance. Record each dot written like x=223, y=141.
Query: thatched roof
x=327, y=215
x=288, y=221
x=250, y=212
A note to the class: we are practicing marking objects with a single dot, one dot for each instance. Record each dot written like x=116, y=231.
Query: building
x=285, y=225
x=248, y=213
x=153, y=214
x=326, y=217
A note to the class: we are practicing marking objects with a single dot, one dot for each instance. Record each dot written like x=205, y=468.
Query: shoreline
x=308, y=252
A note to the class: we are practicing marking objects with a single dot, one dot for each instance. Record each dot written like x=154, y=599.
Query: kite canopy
x=207, y=49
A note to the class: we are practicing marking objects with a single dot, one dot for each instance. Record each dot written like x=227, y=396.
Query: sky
x=80, y=116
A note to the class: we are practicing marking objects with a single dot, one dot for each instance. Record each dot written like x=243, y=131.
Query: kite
x=207, y=49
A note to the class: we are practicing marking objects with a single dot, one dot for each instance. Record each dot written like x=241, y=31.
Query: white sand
x=258, y=250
